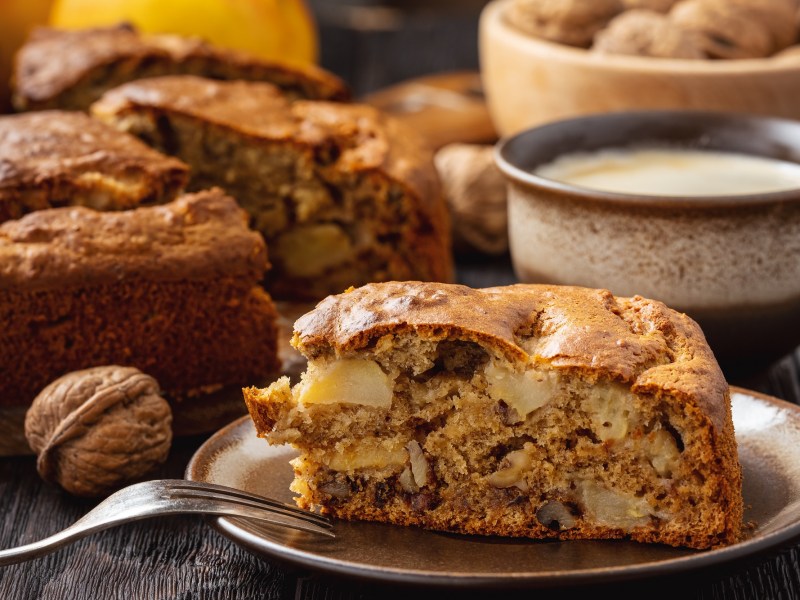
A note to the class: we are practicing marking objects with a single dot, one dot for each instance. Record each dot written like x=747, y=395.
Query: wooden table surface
x=183, y=557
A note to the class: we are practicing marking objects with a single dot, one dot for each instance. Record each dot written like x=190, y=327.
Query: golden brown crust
x=54, y=61
x=369, y=140
x=171, y=290
x=632, y=340
x=195, y=237
x=193, y=336
x=54, y=158
x=261, y=411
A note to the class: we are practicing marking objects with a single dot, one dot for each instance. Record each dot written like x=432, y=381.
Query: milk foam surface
x=673, y=172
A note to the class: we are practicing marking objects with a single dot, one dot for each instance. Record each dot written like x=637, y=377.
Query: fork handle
x=44, y=546
x=92, y=523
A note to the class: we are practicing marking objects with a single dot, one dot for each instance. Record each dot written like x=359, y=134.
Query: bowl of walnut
x=547, y=60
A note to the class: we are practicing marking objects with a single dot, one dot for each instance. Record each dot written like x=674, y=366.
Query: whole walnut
x=572, y=22
x=476, y=194
x=643, y=32
x=95, y=430
x=739, y=28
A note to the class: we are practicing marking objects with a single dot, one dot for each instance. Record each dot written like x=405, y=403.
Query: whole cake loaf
x=343, y=194
x=529, y=410
x=59, y=158
x=70, y=69
x=171, y=290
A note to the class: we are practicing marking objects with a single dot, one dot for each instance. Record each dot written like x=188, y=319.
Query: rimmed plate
x=768, y=434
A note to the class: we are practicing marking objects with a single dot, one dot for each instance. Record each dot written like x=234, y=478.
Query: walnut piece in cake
x=530, y=410
x=343, y=194
x=58, y=158
x=70, y=69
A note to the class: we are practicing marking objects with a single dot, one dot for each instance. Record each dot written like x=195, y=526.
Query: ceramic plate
x=768, y=433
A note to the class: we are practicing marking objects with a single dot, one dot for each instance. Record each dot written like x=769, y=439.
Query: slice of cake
x=537, y=411
x=171, y=290
x=59, y=158
x=58, y=68
x=343, y=194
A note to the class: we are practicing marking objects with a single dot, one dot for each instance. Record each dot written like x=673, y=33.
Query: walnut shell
x=738, y=28
x=95, y=430
x=476, y=194
x=572, y=22
x=648, y=33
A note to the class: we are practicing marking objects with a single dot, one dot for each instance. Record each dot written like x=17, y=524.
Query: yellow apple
x=273, y=29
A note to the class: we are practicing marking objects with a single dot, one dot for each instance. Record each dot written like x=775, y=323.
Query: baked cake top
x=54, y=60
x=633, y=340
x=355, y=137
x=52, y=149
x=197, y=236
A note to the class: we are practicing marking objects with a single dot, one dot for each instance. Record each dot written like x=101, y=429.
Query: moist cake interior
x=451, y=435
x=326, y=228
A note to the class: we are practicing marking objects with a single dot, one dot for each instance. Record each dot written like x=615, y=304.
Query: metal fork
x=172, y=497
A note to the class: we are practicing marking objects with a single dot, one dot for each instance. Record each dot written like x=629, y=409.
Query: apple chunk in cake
x=536, y=411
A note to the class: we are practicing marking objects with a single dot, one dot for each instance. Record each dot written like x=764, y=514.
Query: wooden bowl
x=529, y=81
x=730, y=262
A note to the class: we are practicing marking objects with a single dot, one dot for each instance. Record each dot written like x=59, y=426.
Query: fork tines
x=193, y=489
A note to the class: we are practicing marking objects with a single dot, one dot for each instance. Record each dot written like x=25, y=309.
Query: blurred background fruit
x=272, y=29
x=16, y=19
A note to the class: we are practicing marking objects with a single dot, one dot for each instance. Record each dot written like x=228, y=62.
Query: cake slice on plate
x=529, y=410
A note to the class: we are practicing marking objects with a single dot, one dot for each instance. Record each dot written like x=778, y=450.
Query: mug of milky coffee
x=699, y=210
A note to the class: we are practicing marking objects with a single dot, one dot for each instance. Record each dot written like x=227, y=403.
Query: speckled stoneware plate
x=768, y=433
